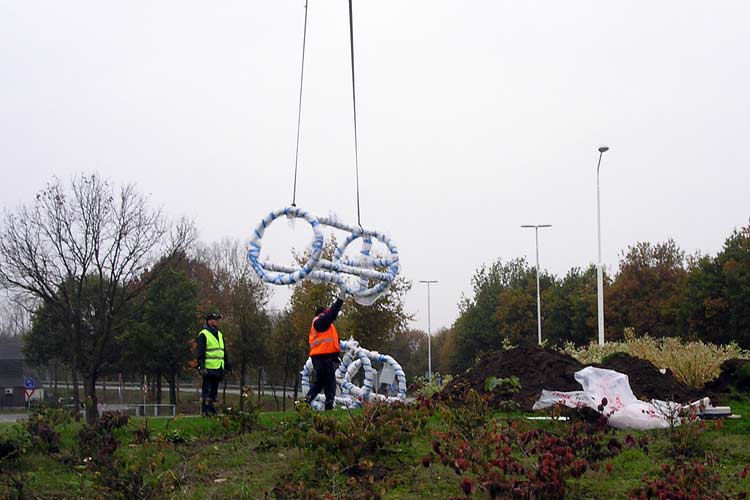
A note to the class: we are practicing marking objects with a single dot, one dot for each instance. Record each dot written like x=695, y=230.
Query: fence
x=140, y=409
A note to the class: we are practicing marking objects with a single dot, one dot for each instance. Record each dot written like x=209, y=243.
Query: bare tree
x=81, y=252
x=242, y=299
x=15, y=319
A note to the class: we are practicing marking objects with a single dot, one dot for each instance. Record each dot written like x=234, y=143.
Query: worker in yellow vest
x=212, y=361
x=324, y=352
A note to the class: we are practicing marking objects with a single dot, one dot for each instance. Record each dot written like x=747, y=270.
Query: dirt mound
x=535, y=367
x=734, y=377
x=538, y=368
x=647, y=382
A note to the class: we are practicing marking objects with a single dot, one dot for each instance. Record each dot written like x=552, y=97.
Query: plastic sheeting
x=357, y=276
x=357, y=358
x=609, y=393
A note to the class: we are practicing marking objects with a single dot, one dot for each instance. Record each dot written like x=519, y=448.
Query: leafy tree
x=159, y=343
x=286, y=350
x=377, y=325
x=447, y=350
x=477, y=328
x=517, y=308
x=717, y=295
x=52, y=339
x=87, y=241
x=569, y=308
x=735, y=265
x=409, y=348
x=647, y=291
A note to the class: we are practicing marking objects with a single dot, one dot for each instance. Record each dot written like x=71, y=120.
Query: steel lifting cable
x=299, y=110
x=354, y=107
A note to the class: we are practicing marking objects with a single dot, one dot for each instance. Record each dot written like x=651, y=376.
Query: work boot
x=211, y=407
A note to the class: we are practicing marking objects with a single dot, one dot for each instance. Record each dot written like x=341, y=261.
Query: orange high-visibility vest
x=326, y=342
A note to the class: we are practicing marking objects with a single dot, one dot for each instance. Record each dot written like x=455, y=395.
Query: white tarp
x=609, y=393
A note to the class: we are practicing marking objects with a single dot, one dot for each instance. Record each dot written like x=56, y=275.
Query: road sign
x=29, y=383
x=28, y=393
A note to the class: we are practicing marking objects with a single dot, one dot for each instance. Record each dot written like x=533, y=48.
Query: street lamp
x=599, y=269
x=429, y=331
x=538, y=298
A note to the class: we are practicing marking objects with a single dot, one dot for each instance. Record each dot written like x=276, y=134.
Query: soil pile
x=647, y=382
x=535, y=367
x=734, y=377
x=538, y=368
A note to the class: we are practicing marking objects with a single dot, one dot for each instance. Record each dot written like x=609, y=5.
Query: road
x=9, y=418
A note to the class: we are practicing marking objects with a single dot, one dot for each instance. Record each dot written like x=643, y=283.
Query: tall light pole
x=429, y=331
x=538, y=297
x=599, y=267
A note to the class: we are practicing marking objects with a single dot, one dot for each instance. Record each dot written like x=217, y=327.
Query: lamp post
x=538, y=297
x=599, y=270
x=429, y=331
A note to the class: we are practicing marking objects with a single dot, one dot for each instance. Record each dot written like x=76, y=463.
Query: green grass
x=196, y=458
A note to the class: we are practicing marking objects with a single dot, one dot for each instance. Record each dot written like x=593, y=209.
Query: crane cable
x=299, y=110
x=354, y=108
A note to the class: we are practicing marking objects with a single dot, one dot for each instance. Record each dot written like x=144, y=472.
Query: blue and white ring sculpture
x=318, y=269
x=350, y=395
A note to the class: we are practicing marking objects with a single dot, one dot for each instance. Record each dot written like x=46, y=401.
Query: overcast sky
x=474, y=118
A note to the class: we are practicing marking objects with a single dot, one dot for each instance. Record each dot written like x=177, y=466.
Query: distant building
x=13, y=373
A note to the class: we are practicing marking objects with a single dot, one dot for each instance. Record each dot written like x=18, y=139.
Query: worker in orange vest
x=324, y=352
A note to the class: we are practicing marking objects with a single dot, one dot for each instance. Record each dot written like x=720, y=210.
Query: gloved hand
x=203, y=372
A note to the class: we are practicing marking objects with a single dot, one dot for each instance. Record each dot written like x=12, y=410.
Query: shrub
x=46, y=439
x=694, y=363
x=14, y=443
x=512, y=462
x=427, y=389
x=246, y=418
x=98, y=443
x=695, y=479
x=350, y=445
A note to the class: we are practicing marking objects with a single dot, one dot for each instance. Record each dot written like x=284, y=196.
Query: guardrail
x=140, y=409
x=136, y=409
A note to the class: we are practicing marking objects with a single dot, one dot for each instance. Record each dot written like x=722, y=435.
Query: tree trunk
x=76, y=392
x=224, y=394
x=273, y=391
x=172, y=387
x=243, y=375
x=158, y=387
x=54, y=390
x=296, y=387
x=286, y=378
x=260, y=382
x=89, y=390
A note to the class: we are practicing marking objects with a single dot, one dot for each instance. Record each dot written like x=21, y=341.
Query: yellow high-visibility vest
x=214, y=350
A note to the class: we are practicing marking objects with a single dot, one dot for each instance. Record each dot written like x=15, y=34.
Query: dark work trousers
x=210, y=390
x=325, y=377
